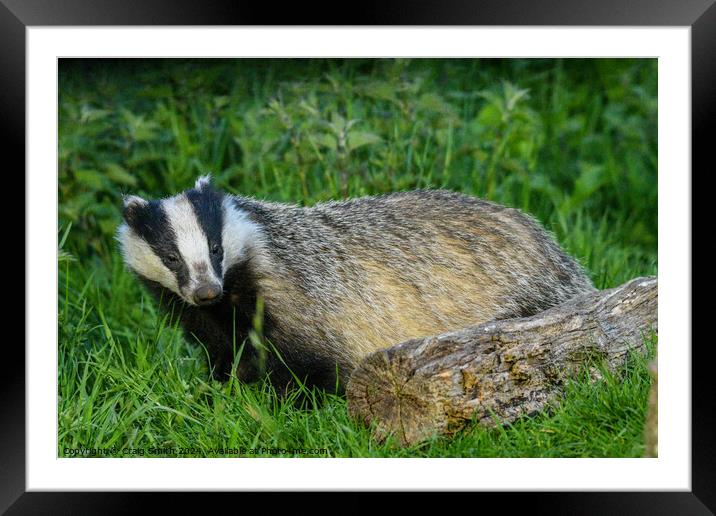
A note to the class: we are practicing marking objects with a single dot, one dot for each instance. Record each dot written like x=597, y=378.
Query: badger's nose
x=207, y=294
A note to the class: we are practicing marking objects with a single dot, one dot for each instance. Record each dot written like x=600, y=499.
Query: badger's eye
x=172, y=258
x=215, y=249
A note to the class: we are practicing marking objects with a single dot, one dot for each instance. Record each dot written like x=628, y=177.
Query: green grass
x=572, y=142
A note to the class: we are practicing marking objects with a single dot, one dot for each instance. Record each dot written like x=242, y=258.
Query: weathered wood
x=499, y=371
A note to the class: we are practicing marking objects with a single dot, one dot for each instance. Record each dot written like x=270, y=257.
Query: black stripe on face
x=151, y=223
x=206, y=203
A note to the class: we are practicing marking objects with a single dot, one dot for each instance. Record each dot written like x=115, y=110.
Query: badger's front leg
x=220, y=364
x=206, y=327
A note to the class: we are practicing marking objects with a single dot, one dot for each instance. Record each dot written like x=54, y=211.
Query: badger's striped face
x=179, y=242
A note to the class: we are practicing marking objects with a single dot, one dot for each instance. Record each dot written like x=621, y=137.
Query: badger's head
x=186, y=242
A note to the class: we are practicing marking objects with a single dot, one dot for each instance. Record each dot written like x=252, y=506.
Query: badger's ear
x=203, y=181
x=132, y=204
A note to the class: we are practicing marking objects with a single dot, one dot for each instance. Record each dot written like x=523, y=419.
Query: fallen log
x=496, y=372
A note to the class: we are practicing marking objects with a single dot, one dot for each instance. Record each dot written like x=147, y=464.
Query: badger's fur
x=340, y=279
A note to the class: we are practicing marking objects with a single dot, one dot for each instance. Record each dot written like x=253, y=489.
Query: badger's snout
x=207, y=294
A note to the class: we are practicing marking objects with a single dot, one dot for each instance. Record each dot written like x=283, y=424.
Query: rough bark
x=496, y=372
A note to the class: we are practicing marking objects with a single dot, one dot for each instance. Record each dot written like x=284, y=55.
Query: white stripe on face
x=140, y=257
x=237, y=234
x=191, y=242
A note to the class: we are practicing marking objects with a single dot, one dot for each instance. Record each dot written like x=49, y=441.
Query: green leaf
x=326, y=140
x=64, y=235
x=117, y=174
x=490, y=116
x=64, y=256
x=89, y=114
x=338, y=123
x=513, y=95
x=360, y=138
x=101, y=210
x=69, y=211
x=378, y=90
x=90, y=178
x=434, y=103
x=220, y=102
x=108, y=226
x=589, y=181
x=138, y=128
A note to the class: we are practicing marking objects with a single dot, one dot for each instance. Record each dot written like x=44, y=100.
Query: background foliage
x=572, y=142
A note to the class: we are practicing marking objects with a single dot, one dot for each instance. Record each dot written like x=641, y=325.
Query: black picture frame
x=700, y=15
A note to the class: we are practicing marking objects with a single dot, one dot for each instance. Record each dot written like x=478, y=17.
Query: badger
x=331, y=283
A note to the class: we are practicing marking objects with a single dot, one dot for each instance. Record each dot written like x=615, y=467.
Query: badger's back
x=342, y=279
